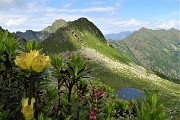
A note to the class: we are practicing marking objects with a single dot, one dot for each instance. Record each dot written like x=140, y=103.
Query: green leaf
x=56, y=61
x=154, y=98
x=41, y=117
x=31, y=45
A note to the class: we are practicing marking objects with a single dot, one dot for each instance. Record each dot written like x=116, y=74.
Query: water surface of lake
x=130, y=93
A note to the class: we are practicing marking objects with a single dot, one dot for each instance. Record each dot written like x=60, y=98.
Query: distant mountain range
x=43, y=34
x=118, y=36
x=158, y=50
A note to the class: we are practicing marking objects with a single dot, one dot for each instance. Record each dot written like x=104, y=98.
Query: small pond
x=130, y=93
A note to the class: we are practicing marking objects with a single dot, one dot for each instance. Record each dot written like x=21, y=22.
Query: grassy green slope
x=158, y=50
x=108, y=65
x=78, y=34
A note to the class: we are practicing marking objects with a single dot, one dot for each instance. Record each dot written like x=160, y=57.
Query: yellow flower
x=21, y=61
x=40, y=62
x=28, y=110
x=32, y=61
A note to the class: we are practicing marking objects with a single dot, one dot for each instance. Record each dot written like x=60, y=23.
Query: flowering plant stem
x=31, y=86
x=31, y=92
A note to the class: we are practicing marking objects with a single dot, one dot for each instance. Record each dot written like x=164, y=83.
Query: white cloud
x=169, y=24
x=114, y=25
x=15, y=22
x=11, y=4
x=7, y=2
x=92, y=9
x=98, y=9
x=131, y=22
x=67, y=17
x=118, y=3
x=36, y=15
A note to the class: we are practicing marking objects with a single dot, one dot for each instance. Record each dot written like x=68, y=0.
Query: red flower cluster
x=100, y=92
x=92, y=115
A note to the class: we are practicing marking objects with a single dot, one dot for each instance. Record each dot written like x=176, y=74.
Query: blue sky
x=111, y=16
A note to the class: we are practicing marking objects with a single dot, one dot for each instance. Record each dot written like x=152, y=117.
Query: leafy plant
x=150, y=108
x=31, y=45
x=10, y=90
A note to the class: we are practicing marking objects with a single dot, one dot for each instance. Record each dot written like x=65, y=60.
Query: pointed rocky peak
x=56, y=24
x=144, y=29
x=59, y=22
x=83, y=24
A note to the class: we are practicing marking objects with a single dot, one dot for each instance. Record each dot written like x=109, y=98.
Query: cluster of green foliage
x=64, y=91
x=151, y=108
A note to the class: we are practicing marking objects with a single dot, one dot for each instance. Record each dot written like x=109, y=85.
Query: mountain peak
x=59, y=21
x=56, y=24
x=84, y=25
x=83, y=19
x=144, y=29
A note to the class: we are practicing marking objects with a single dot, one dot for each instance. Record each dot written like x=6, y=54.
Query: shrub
x=150, y=108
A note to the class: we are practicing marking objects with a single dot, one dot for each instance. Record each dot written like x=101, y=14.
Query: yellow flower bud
x=28, y=110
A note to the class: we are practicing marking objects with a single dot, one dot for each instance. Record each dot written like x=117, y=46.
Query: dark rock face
x=33, y=35
x=41, y=35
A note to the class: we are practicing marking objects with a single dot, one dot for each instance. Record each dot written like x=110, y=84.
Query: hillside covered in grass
x=158, y=50
x=80, y=34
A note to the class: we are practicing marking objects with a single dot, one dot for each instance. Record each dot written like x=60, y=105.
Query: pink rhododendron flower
x=100, y=92
x=92, y=115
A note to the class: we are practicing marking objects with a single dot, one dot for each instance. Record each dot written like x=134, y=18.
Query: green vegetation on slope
x=157, y=50
x=78, y=34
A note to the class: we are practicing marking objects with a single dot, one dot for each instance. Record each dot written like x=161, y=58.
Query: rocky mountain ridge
x=158, y=50
x=43, y=34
